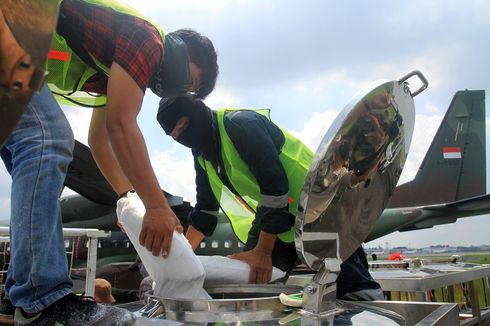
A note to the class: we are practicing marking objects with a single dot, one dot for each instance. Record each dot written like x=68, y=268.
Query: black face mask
x=199, y=134
x=171, y=109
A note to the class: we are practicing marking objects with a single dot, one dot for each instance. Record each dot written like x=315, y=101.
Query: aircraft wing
x=416, y=218
x=85, y=178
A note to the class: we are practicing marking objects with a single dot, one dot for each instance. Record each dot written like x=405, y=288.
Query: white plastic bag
x=181, y=274
x=224, y=270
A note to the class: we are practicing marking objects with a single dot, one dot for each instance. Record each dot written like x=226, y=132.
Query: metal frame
x=413, y=283
x=93, y=236
x=420, y=283
x=260, y=305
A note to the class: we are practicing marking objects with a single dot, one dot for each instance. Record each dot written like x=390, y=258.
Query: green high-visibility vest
x=240, y=208
x=68, y=72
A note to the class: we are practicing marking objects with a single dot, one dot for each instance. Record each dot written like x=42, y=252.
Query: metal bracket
x=319, y=295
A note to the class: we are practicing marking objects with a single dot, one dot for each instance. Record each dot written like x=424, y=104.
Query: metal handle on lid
x=422, y=78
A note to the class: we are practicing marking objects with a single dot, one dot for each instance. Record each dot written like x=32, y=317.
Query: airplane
x=451, y=181
x=450, y=184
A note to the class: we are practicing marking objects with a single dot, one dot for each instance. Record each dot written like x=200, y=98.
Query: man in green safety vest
x=104, y=55
x=254, y=171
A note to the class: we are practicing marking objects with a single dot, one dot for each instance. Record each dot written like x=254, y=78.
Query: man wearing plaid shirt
x=112, y=52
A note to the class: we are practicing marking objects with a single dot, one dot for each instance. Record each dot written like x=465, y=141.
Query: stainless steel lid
x=354, y=171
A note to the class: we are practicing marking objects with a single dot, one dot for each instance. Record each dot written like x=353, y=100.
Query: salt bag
x=181, y=275
x=224, y=270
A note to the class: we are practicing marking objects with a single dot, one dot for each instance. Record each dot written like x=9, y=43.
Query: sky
x=306, y=59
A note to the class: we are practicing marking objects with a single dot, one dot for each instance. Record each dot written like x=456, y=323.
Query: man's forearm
x=129, y=146
x=194, y=236
x=103, y=154
x=266, y=242
x=124, y=100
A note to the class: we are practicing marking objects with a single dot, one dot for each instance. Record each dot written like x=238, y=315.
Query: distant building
x=374, y=250
x=439, y=249
x=404, y=250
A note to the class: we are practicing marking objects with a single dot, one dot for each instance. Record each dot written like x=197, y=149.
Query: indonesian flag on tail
x=451, y=152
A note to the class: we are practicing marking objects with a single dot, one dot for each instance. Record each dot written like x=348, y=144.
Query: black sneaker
x=6, y=306
x=7, y=311
x=74, y=310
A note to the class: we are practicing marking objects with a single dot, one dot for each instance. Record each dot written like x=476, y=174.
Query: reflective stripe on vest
x=68, y=72
x=296, y=158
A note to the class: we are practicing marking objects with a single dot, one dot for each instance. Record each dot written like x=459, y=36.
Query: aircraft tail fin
x=454, y=167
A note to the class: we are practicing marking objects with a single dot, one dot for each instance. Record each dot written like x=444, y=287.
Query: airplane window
x=227, y=244
x=214, y=244
x=202, y=245
x=127, y=244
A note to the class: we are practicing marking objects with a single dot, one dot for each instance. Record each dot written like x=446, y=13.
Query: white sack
x=224, y=270
x=181, y=274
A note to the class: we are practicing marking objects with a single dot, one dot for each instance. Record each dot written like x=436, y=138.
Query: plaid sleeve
x=139, y=50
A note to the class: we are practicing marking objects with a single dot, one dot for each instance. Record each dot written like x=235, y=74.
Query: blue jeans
x=37, y=154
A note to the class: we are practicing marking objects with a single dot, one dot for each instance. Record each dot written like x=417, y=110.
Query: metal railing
x=93, y=236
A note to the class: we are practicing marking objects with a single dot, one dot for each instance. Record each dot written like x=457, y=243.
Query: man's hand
x=157, y=230
x=259, y=258
x=260, y=264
